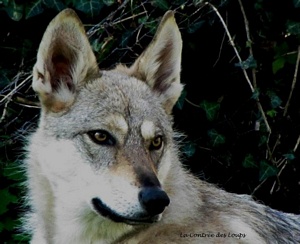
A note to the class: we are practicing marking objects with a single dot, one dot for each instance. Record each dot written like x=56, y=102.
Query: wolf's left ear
x=160, y=64
x=64, y=60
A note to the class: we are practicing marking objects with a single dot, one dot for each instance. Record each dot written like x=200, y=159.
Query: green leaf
x=36, y=8
x=293, y=27
x=109, y=2
x=255, y=95
x=249, y=162
x=162, y=4
x=58, y=5
x=281, y=49
x=192, y=28
x=6, y=198
x=272, y=113
x=296, y=3
x=249, y=63
x=289, y=156
x=189, y=149
x=89, y=7
x=211, y=109
x=274, y=99
x=266, y=170
x=278, y=64
x=10, y=224
x=125, y=38
x=14, y=11
x=216, y=139
x=262, y=141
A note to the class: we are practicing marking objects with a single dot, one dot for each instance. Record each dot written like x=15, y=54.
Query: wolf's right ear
x=160, y=64
x=64, y=60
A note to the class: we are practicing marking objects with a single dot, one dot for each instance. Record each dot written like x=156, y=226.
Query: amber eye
x=156, y=143
x=101, y=137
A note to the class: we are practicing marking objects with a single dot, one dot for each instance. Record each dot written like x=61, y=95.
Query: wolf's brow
x=118, y=122
x=148, y=129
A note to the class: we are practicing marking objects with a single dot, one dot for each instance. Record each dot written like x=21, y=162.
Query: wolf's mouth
x=107, y=212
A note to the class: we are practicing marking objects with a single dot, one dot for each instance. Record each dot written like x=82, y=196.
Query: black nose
x=154, y=200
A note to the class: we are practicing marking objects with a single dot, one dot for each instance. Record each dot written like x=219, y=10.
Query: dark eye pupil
x=99, y=136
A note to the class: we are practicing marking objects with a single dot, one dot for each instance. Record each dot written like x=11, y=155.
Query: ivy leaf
x=211, y=109
x=162, y=4
x=255, y=95
x=6, y=198
x=216, y=139
x=293, y=27
x=189, y=149
x=296, y=3
x=109, y=2
x=275, y=101
x=58, y=5
x=262, y=140
x=278, y=64
x=289, y=156
x=272, y=113
x=35, y=9
x=14, y=11
x=192, y=28
x=266, y=170
x=89, y=7
x=249, y=162
x=249, y=63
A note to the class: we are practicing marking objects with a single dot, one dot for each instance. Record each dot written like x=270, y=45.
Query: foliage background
x=239, y=110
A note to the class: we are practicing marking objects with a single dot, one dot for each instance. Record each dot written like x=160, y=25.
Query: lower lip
x=102, y=209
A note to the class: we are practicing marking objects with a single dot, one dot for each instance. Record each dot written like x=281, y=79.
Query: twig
x=4, y=110
x=293, y=83
x=27, y=103
x=130, y=17
x=15, y=89
x=193, y=104
x=249, y=42
x=256, y=188
x=240, y=61
x=290, y=95
x=232, y=44
x=283, y=167
x=222, y=43
x=297, y=144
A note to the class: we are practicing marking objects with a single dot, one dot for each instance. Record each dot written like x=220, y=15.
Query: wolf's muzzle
x=154, y=200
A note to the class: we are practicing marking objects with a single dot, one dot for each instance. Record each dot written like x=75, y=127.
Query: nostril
x=154, y=200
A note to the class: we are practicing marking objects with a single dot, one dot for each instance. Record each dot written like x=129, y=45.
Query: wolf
x=103, y=165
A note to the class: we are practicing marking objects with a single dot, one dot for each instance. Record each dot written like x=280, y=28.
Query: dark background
x=217, y=112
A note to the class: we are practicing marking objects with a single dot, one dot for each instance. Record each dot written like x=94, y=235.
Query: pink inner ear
x=61, y=73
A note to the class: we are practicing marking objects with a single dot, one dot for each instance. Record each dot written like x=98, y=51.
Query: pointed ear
x=159, y=65
x=64, y=60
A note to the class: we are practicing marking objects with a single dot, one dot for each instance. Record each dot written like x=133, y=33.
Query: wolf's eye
x=102, y=137
x=156, y=143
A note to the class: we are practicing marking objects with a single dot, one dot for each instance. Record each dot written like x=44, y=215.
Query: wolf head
x=104, y=141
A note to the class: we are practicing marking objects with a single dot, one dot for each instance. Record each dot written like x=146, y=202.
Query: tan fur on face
x=116, y=122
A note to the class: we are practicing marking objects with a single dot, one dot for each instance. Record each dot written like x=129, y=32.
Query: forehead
x=115, y=96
